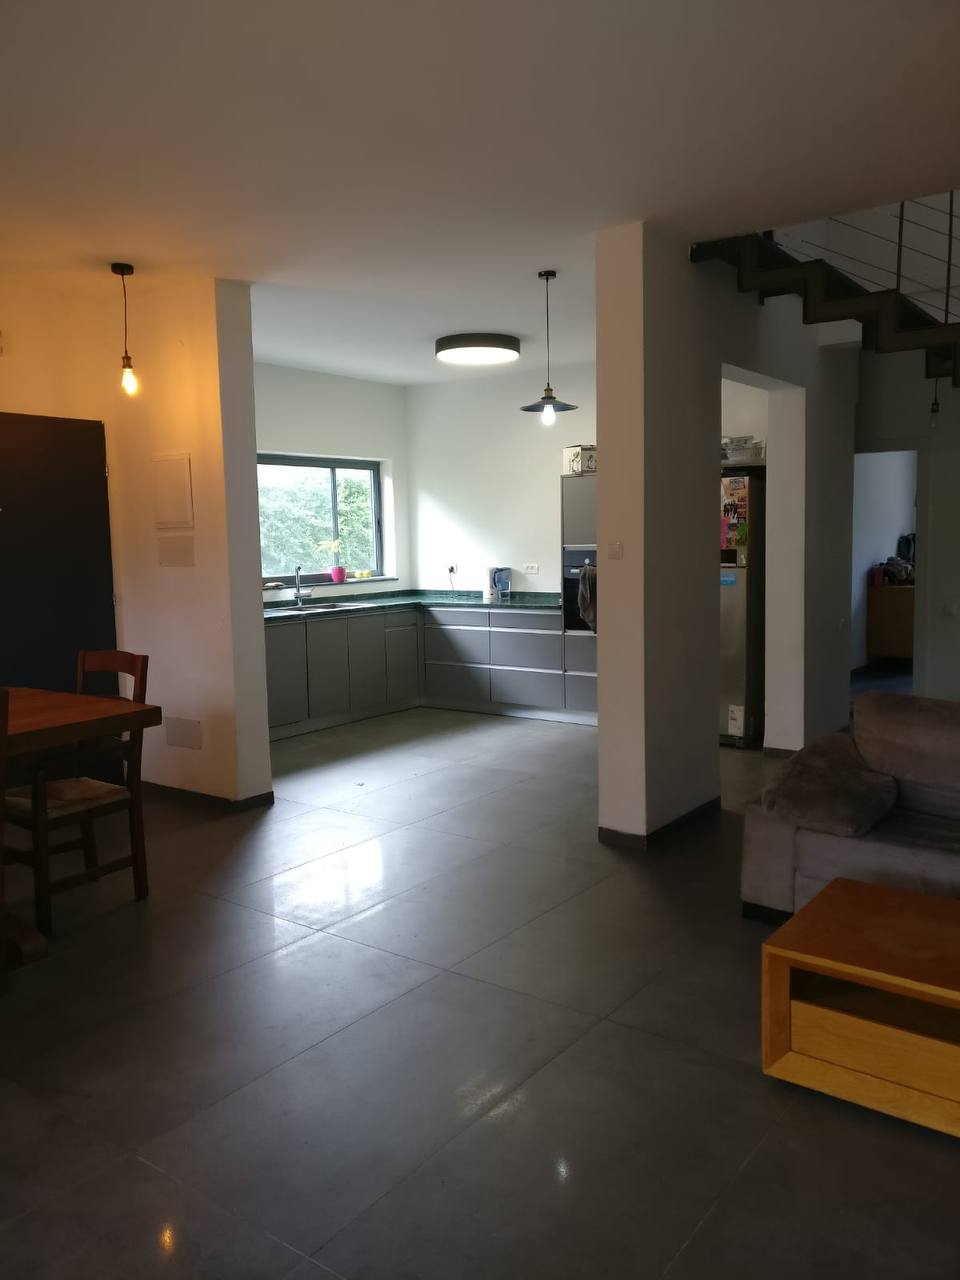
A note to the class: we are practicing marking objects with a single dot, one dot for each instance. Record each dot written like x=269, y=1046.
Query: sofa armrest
x=768, y=860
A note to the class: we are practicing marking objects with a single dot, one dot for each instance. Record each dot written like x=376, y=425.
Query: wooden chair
x=4, y=714
x=49, y=804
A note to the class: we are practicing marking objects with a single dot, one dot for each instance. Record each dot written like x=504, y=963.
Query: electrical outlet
x=452, y=569
x=531, y=568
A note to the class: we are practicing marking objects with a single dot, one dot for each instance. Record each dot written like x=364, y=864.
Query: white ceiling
x=405, y=168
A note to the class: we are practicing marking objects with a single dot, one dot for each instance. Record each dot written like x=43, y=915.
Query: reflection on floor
x=414, y=1021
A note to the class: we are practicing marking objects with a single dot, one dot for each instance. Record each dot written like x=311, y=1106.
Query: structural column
x=658, y=431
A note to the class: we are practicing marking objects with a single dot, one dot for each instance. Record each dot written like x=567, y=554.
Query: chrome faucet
x=297, y=593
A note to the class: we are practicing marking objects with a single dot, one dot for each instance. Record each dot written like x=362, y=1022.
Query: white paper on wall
x=172, y=491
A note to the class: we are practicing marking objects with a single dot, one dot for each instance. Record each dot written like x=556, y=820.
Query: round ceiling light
x=478, y=348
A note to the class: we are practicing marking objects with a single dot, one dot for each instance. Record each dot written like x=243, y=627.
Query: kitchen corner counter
x=318, y=607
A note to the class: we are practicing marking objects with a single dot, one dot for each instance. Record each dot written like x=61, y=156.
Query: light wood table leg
x=775, y=1009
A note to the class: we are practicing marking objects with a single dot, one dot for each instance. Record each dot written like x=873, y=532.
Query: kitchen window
x=319, y=513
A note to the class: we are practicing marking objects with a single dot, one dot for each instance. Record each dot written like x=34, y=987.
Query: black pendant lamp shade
x=548, y=398
x=548, y=406
x=477, y=348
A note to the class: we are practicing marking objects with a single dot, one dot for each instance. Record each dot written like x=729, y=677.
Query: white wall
x=785, y=579
x=744, y=409
x=486, y=477
x=63, y=342
x=884, y=507
x=300, y=411
x=894, y=413
x=658, y=442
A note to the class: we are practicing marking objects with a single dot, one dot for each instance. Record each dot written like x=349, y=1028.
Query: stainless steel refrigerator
x=742, y=511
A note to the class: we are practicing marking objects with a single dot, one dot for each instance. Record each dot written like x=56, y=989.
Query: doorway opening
x=883, y=571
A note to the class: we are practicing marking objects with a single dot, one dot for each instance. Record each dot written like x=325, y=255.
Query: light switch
x=615, y=550
x=531, y=568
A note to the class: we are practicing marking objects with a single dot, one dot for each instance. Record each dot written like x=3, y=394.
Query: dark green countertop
x=360, y=603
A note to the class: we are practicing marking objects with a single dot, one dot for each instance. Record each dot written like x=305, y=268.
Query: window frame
x=332, y=465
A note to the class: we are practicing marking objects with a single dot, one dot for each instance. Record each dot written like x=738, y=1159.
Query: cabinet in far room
x=403, y=663
x=328, y=667
x=286, y=673
x=368, y=664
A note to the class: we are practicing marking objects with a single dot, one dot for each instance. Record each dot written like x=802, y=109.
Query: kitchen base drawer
x=526, y=649
x=465, y=684
x=456, y=617
x=580, y=693
x=526, y=620
x=580, y=653
x=527, y=688
x=400, y=618
x=456, y=644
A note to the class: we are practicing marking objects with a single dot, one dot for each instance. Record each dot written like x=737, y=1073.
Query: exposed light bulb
x=548, y=416
x=128, y=379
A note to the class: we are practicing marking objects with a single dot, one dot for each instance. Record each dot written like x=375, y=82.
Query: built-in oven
x=574, y=558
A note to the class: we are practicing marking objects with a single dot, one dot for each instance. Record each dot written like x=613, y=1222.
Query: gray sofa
x=834, y=810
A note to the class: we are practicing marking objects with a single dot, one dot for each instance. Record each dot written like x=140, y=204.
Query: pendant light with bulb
x=548, y=406
x=128, y=379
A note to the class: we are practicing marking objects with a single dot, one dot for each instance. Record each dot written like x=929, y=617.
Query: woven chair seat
x=66, y=795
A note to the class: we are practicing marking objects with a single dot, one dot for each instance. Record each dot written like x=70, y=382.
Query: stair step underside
x=890, y=321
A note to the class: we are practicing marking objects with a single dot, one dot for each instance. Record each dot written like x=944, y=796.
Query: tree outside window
x=318, y=513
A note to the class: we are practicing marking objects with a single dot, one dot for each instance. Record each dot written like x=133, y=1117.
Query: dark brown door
x=56, y=574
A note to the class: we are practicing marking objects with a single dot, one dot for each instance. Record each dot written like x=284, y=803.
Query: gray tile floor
x=415, y=1022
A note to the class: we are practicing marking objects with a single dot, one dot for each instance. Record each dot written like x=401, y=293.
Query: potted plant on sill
x=337, y=573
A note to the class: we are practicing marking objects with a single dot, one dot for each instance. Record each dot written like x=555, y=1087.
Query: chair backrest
x=4, y=717
x=117, y=662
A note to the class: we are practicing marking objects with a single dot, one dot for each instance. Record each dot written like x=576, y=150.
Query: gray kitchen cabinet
x=527, y=688
x=462, y=683
x=579, y=499
x=457, y=617
x=286, y=647
x=580, y=652
x=402, y=618
x=524, y=620
x=328, y=667
x=580, y=692
x=526, y=649
x=456, y=644
x=403, y=662
x=368, y=663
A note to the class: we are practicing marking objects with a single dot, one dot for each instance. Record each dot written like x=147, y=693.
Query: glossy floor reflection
x=415, y=1022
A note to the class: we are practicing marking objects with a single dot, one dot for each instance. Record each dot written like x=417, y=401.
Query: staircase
x=890, y=319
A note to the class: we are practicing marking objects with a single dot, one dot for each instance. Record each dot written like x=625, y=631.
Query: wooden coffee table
x=861, y=1000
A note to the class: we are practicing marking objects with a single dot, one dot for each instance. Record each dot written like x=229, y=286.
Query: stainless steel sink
x=315, y=608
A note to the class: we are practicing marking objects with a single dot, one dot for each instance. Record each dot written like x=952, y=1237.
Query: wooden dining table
x=42, y=719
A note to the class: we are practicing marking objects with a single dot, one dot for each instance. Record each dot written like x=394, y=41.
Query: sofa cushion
x=905, y=850
x=917, y=740
x=827, y=787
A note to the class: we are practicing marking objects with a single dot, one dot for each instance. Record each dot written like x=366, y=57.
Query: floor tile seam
x=595, y=1017
x=136, y=1007
x=352, y=844
x=367, y=788
x=213, y=1203
x=722, y=1191
x=138, y=1147
x=475, y=1120
x=476, y=857
x=711, y=1057
x=504, y=847
x=117, y=1158
x=539, y=915
x=481, y=795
